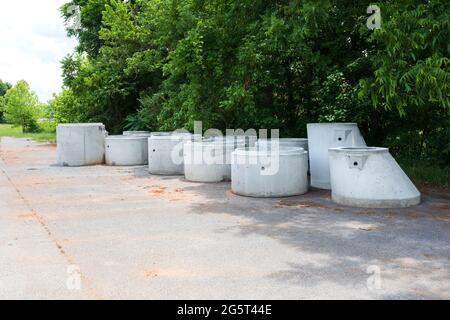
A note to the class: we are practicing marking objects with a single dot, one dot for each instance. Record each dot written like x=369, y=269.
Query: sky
x=33, y=41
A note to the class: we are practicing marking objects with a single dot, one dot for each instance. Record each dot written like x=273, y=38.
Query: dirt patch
x=230, y=194
x=156, y=190
x=9, y=157
x=27, y=216
x=171, y=272
x=391, y=214
x=31, y=180
x=442, y=217
x=48, y=146
x=303, y=205
x=441, y=206
x=172, y=193
x=435, y=192
x=150, y=273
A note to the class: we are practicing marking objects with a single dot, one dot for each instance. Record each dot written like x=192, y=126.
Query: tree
x=161, y=64
x=64, y=108
x=4, y=86
x=21, y=107
x=91, y=21
x=411, y=75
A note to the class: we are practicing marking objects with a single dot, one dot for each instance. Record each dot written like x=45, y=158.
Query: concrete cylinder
x=131, y=150
x=161, y=133
x=369, y=177
x=165, y=153
x=209, y=160
x=284, y=142
x=80, y=144
x=250, y=141
x=137, y=133
x=323, y=136
x=280, y=172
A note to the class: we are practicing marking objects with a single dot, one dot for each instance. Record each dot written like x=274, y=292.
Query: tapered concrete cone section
x=129, y=150
x=280, y=172
x=80, y=144
x=323, y=136
x=209, y=161
x=370, y=178
x=284, y=142
x=165, y=153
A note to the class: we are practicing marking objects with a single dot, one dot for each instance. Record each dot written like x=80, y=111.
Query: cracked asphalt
x=120, y=233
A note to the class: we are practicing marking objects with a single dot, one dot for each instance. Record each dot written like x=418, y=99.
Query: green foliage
x=8, y=130
x=163, y=64
x=411, y=75
x=91, y=22
x=425, y=172
x=4, y=87
x=21, y=107
x=411, y=65
x=64, y=108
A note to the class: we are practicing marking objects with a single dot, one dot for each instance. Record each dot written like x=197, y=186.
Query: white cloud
x=33, y=41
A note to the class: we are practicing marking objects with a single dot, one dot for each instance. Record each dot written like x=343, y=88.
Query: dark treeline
x=161, y=64
x=4, y=86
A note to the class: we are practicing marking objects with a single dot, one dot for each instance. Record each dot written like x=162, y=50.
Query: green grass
x=7, y=130
x=426, y=172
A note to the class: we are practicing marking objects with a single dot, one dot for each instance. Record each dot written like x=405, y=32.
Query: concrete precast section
x=209, y=160
x=370, y=177
x=131, y=150
x=283, y=142
x=80, y=144
x=250, y=141
x=278, y=172
x=161, y=134
x=137, y=133
x=165, y=153
x=323, y=136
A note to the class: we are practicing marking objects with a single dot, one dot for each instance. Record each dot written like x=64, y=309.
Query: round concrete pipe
x=283, y=142
x=371, y=178
x=165, y=153
x=129, y=150
x=161, y=134
x=137, y=133
x=250, y=141
x=80, y=144
x=227, y=138
x=210, y=160
x=279, y=172
x=323, y=136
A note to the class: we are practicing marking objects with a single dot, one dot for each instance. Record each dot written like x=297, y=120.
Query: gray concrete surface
x=136, y=236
